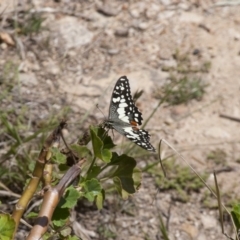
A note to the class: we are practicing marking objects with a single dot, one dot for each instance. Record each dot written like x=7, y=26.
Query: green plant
x=106, y=233
x=31, y=23
x=179, y=178
x=8, y=80
x=218, y=156
x=163, y=228
x=235, y=212
x=185, y=83
x=183, y=90
x=97, y=166
x=20, y=140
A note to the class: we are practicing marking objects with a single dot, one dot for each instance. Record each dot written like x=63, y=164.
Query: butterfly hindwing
x=140, y=137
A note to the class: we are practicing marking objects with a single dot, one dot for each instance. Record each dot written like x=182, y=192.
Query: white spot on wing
x=130, y=133
x=115, y=100
x=122, y=105
x=121, y=111
x=124, y=119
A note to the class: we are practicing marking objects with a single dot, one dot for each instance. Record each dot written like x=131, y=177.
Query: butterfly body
x=125, y=117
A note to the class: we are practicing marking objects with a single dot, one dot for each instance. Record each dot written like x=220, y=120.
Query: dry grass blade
x=205, y=184
x=160, y=159
x=219, y=202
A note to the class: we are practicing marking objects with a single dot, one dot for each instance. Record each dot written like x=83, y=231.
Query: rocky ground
x=80, y=51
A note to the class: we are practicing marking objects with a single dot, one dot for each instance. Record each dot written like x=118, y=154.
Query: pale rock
x=209, y=221
x=183, y=6
x=28, y=79
x=135, y=238
x=113, y=51
x=178, y=110
x=7, y=6
x=153, y=10
x=160, y=77
x=52, y=68
x=166, y=2
x=70, y=32
x=137, y=9
x=217, y=132
x=122, y=32
x=99, y=22
x=168, y=121
x=234, y=33
x=143, y=25
x=51, y=85
x=108, y=10
x=166, y=15
x=166, y=54
x=191, y=17
x=191, y=230
x=135, y=13
x=3, y=46
x=170, y=64
x=140, y=80
x=202, y=236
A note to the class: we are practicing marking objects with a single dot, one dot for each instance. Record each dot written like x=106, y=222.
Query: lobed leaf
x=7, y=226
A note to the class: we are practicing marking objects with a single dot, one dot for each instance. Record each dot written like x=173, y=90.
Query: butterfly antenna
x=102, y=123
x=100, y=110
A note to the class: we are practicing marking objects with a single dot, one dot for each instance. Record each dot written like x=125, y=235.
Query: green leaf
x=7, y=225
x=100, y=199
x=81, y=151
x=63, y=167
x=137, y=178
x=32, y=215
x=92, y=189
x=58, y=157
x=70, y=198
x=66, y=231
x=73, y=238
x=94, y=171
x=47, y=236
x=98, y=146
x=115, y=159
x=60, y=216
x=236, y=215
x=118, y=185
x=124, y=175
x=107, y=140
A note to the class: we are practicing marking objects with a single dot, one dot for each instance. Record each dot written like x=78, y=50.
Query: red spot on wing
x=134, y=125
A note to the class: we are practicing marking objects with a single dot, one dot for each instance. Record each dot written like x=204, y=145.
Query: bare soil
x=83, y=47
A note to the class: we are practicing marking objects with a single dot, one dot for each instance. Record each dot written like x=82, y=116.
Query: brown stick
x=229, y=117
x=45, y=154
x=51, y=200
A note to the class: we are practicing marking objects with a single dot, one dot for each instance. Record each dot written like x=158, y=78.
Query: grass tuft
x=185, y=83
x=179, y=178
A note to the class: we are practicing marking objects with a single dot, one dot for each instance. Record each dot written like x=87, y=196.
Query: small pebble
x=122, y=32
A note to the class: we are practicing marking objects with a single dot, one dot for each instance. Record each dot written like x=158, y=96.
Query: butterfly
x=125, y=117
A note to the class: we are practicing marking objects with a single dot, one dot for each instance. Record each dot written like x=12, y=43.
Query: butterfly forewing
x=122, y=106
x=125, y=117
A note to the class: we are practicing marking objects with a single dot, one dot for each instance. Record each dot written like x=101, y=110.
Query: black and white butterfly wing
x=122, y=106
x=125, y=117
